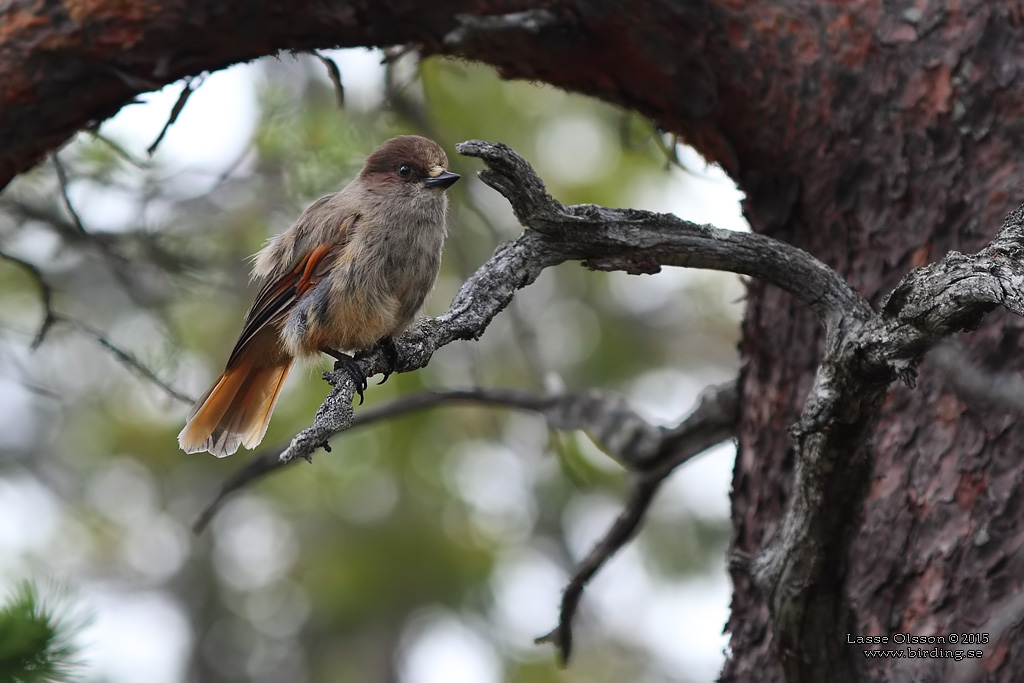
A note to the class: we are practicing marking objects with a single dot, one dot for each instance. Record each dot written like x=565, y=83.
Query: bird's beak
x=444, y=180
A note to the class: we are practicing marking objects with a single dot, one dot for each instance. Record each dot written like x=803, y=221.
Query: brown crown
x=419, y=152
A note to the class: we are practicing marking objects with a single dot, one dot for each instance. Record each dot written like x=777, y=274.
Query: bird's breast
x=373, y=290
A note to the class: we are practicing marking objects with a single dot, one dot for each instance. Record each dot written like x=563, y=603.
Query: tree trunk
x=885, y=138
x=877, y=136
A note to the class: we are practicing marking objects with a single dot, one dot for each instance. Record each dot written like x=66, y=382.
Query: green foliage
x=35, y=639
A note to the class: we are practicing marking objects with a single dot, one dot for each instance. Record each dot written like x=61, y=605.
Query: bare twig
x=191, y=84
x=119, y=150
x=45, y=294
x=641, y=494
x=606, y=417
x=713, y=422
x=334, y=75
x=669, y=149
x=125, y=357
x=975, y=384
x=62, y=178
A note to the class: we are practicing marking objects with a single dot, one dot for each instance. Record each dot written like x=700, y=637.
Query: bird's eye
x=405, y=170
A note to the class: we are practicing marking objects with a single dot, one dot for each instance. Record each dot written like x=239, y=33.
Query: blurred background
x=429, y=548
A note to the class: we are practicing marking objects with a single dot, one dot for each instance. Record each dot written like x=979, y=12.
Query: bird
x=350, y=274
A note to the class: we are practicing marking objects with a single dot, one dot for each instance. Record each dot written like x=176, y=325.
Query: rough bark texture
x=876, y=136
x=893, y=131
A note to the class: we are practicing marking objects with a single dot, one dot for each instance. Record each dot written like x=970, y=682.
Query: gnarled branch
x=801, y=571
x=605, y=239
x=635, y=241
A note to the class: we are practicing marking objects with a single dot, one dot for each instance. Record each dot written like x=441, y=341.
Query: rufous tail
x=237, y=408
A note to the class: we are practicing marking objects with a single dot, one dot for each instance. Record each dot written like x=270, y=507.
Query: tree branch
x=606, y=239
x=713, y=422
x=801, y=571
x=649, y=452
x=606, y=417
x=191, y=84
x=63, y=71
x=124, y=357
x=45, y=294
x=975, y=384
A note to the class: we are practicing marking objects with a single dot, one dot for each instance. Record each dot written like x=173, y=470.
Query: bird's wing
x=277, y=296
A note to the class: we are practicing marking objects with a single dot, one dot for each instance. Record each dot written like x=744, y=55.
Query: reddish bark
x=898, y=145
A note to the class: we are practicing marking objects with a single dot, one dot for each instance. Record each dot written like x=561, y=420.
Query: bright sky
x=141, y=635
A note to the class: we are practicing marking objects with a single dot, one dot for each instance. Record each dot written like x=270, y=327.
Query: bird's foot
x=387, y=346
x=343, y=361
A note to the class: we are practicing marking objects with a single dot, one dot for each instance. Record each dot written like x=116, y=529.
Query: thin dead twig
x=977, y=385
x=650, y=453
x=268, y=460
x=191, y=84
x=711, y=423
x=125, y=357
x=333, y=75
x=62, y=179
x=45, y=295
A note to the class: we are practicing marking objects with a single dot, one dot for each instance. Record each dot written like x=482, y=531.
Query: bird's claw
x=350, y=366
x=343, y=361
x=387, y=346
